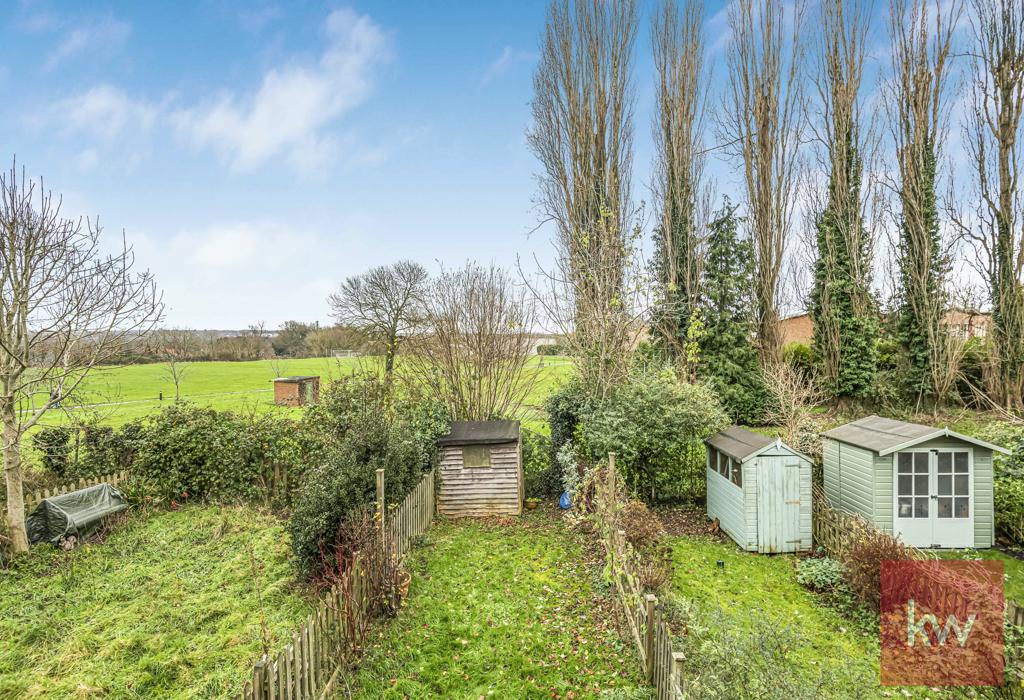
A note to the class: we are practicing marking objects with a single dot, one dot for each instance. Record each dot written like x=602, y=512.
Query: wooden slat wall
x=325, y=647
x=651, y=635
x=481, y=491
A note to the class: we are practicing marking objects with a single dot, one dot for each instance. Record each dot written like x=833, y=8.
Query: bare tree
x=582, y=135
x=794, y=396
x=176, y=348
x=916, y=98
x=66, y=307
x=845, y=327
x=384, y=303
x=475, y=343
x=762, y=121
x=682, y=200
x=993, y=130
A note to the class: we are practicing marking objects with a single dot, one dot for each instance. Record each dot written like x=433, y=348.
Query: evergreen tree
x=728, y=356
x=842, y=310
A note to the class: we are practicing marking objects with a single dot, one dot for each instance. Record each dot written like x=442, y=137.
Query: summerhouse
x=481, y=469
x=930, y=487
x=759, y=490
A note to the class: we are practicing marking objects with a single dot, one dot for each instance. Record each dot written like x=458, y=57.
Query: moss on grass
x=167, y=606
x=499, y=610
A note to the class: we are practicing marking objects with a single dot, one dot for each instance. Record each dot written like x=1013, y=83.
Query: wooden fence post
x=678, y=658
x=649, y=602
x=380, y=501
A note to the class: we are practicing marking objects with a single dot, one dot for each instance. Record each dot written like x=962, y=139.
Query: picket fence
x=662, y=665
x=310, y=665
x=832, y=529
x=34, y=498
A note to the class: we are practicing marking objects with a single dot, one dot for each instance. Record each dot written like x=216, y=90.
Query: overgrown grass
x=174, y=605
x=836, y=649
x=499, y=610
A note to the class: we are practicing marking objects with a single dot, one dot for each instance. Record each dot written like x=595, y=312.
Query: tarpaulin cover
x=73, y=514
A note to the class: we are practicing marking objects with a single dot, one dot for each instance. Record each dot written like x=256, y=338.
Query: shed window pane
x=961, y=485
x=737, y=474
x=476, y=456
x=944, y=507
x=963, y=507
x=960, y=462
x=906, y=485
x=945, y=462
x=921, y=507
x=906, y=462
x=906, y=507
x=921, y=462
x=945, y=484
x=920, y=484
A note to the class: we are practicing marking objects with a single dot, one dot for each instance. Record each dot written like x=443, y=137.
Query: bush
x=866, y=549
x=643, y=528
x=541, y=476
x=551, y=349
x=53, y=442
x=800, y=356
x=1009, y=506
x=820, y=574
x=565, y=408
x=359, y=426
x=655, y=424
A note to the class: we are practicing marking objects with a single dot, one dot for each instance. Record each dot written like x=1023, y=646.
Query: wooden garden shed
x=481, y=469
x=759, y=490
x=929, y=487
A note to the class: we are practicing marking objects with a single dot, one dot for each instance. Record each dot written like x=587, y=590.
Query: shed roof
x=481, y=432
x=741, y=444
x=885, y=435
x=296, y=379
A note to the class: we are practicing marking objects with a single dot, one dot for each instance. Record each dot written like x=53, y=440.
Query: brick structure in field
x=296, y=391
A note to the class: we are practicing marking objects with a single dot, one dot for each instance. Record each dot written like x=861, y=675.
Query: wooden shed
x=296, y=391
x=930, y=487
x=759, y=490
x=481, y=469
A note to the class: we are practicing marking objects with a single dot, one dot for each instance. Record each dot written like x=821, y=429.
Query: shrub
x=653, y=569
x=800, y=356
x=358, y=427
x=565, y=408
x=551, y=349
x=823, y=574
x=541, y=476
x=1009, y=506
x=643, y=528
x=53, y=442
x=866, y=549
x=652, y=422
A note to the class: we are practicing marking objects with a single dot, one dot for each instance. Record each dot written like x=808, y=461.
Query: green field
x=172, y=605
x=116, y=395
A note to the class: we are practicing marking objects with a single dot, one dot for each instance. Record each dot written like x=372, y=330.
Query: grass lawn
x=120, y=394
x=766, y=585
x=503, y=609
x=167, y=606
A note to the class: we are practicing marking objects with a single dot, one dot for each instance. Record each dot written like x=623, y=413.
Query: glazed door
x=934, y=503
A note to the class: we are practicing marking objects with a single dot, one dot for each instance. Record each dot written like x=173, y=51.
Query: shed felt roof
x=738, y=443
x=885, y=435
x=481, y=432
x=296, y=379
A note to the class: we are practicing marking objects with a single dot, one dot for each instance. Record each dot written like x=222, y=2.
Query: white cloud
x=104, y=112
x=504, y=62
x=104, y=36
x=291, y=112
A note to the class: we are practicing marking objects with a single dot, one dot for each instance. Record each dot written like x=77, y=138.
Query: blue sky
x=256, y=154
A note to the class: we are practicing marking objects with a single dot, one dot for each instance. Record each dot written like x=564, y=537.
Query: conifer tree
x=728, y=356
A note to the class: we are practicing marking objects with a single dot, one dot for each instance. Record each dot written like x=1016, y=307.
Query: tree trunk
x=389, y=358
x=12, y=478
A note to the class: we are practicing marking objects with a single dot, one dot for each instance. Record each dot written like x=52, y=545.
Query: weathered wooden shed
x=930, y=487
x=481, y=469
x=759, y=490
x=296, y=391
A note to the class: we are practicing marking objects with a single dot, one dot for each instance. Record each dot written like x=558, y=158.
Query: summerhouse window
x=476, y=456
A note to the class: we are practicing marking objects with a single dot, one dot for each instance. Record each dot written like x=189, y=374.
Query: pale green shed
x=930, y=487
x=759, y=491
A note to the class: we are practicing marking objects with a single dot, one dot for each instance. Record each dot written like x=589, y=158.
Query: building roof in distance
x=481, y=432
x=299, y=378
x=885, y=435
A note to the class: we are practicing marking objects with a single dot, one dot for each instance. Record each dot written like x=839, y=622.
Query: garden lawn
x=505, y=609
x=171, y=605
x=765, y=585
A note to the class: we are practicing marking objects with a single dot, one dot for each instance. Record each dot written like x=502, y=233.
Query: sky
x=255, y=154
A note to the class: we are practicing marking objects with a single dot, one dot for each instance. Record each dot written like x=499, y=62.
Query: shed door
x=934, y=499
x=778, y=504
